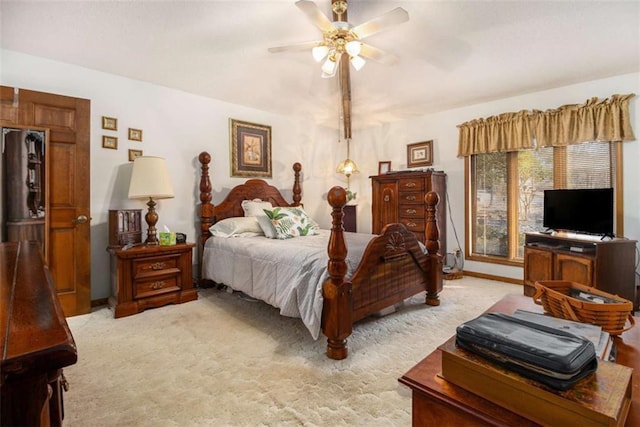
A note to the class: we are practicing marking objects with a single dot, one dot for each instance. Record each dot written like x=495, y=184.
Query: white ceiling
x=452, y=53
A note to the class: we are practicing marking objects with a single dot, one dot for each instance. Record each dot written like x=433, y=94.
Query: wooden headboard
x=231, y=206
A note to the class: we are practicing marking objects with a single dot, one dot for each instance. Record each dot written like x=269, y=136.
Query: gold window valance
x=595, y=120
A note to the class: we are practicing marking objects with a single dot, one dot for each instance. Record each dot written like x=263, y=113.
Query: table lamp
x=150, y=179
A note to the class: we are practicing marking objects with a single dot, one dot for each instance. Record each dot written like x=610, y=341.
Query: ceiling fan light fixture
x=353, y=47
x=329, y=67
x=357, y=62
x=320, y=52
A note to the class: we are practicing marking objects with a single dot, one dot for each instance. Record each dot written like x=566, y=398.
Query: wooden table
x=436, y=402
x=35, y=342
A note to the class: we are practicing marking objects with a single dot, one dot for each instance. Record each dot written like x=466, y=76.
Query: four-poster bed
x=394, y=265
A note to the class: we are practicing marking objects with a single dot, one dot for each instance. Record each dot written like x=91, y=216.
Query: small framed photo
x=133, y=154
x=135, y=134
x=420, y=154
x=250, y=149
x=109, y=142
x=109, y=123
x=383, y=167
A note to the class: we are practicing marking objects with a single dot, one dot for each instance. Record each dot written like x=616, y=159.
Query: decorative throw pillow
x=243, y=226
x=291, y=222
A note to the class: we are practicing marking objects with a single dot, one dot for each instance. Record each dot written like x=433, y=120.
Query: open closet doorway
x=51, y=198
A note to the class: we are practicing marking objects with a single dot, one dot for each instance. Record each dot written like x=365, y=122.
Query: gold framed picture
x=110, y=142
x=133, y=154
x=384, y=167
x=109, y=123
x=420, y=154
x=135, y=134
x=250, y=149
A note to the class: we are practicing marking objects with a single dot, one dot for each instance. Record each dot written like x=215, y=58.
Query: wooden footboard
x=393, y=268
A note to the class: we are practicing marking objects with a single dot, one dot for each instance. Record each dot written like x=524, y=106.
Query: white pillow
x=243, y=226
x=267, y=227
x=255, y=207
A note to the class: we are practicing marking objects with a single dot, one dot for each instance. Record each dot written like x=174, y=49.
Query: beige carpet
x=223, y=360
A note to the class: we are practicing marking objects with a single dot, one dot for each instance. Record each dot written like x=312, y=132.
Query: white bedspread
x=288, y=274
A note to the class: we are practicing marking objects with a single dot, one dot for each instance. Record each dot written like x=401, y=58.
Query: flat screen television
x=579, y=210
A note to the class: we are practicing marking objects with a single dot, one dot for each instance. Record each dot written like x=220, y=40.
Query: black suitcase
x=550, y=356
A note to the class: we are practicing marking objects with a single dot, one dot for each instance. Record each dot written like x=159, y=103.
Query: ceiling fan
x=342, y=39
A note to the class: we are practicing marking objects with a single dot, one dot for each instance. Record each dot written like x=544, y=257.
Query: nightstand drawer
x=156, y=265
x=155, y=286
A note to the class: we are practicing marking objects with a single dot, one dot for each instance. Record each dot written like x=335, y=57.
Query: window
x=506, y=192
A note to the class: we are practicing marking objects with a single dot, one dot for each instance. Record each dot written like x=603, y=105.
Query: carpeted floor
x=224, y=360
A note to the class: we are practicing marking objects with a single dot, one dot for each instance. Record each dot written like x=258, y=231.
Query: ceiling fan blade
x=316, y=16
x=382, y=22
x=378, y=55
x=295, y=47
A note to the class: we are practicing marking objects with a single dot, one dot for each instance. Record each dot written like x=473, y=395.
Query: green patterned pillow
x=291, y=222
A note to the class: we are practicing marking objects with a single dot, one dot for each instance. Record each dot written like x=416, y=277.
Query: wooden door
x=67, y=121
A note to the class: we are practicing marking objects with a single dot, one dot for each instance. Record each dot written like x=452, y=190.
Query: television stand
x=608, y=265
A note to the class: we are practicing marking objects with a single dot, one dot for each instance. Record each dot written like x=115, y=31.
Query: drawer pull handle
x=411, y=224
x=411, y=211
x=410, y=184
x=411, y=197
x=386, y=198
x=157, y=266
x=157, y=285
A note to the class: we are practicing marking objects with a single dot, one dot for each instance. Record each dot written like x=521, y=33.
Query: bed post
x=297, y=189
x=432, y=236
x=337, y=309
x=205, y=209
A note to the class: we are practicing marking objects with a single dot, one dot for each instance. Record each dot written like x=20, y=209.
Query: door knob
x=81, y=219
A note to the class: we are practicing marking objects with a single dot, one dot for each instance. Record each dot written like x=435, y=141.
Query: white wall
x=178, y=126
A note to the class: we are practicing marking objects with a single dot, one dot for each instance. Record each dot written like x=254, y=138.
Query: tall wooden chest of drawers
x=399, y=197
x=150, y=276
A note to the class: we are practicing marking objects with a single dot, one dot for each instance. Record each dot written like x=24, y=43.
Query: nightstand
x=150, y=276
x=349, y=219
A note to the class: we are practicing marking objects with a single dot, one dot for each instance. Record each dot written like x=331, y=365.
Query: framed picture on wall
x=133, y=154
x=135, y=134
x=384, y=167
x=250, y=149
x=109, y=123
x=109, y=142
x=420, y=154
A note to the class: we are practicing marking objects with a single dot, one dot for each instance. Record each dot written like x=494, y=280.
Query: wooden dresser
x=36, y=340
x=150, y=276
x=399, y=197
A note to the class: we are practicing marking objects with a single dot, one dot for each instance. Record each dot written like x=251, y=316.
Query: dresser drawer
x=411, y=197
x=155, y=286
x=411, y=184
x=156, y=265
x=413, y=224
x=411, y=211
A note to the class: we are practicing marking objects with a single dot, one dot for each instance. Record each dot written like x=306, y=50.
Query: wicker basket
x=566, y=300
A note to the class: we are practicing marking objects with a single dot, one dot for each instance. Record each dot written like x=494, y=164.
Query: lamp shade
x=347, y=167
x=150, y=179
